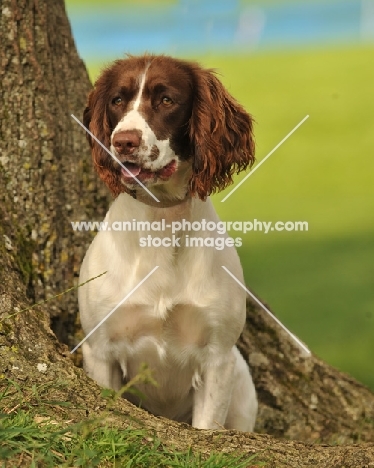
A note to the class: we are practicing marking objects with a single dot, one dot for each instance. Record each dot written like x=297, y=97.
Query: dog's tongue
x=133, y=169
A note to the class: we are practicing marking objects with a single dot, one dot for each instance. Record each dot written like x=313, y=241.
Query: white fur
x=183, y=322
x=134, y=120
x=141, y=88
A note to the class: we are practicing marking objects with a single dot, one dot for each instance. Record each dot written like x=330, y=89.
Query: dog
x=177, y=136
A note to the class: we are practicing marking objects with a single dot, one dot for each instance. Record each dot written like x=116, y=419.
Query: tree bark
x=44, y=155
x=46, y=181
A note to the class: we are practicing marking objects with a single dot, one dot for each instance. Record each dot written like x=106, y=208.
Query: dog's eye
x=117, y=101
x=166, y=101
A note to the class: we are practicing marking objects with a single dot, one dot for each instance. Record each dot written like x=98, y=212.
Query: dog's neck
x=144, y=197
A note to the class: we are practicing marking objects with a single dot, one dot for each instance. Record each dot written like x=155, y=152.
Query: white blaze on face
x=133, y=120
x=141, y=80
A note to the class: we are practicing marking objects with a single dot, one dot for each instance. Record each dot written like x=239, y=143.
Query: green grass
x=30, y=436
x=319, y=282
x=25, y=438
x=32, y=440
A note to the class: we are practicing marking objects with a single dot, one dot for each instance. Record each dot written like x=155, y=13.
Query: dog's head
x=157, y=115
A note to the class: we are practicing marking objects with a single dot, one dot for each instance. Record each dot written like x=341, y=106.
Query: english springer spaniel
x=179, y=136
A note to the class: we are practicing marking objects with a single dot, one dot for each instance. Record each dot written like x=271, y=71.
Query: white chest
x=183, y=331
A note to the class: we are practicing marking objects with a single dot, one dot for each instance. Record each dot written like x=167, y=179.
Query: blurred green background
x=320, y=283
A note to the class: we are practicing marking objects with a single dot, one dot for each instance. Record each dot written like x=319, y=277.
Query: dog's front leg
x=212, y=397
x=107, y=374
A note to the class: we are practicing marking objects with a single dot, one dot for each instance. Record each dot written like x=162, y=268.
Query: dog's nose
x=126, y=142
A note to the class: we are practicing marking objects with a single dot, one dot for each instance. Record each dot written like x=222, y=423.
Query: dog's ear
x=220, y=131
x=95, y=118
x=87, y=116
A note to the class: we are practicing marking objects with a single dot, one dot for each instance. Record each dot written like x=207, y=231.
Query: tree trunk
x=44, y=155
x=46, y=181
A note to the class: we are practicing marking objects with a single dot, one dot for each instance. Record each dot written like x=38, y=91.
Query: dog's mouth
x=136, y=170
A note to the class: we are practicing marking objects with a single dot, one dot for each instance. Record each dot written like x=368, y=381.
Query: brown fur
x=221, y=132
x=209, y=127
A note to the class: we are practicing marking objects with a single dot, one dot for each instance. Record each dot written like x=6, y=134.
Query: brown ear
x=95, y=119
x=87, y=115
x=221, y=136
